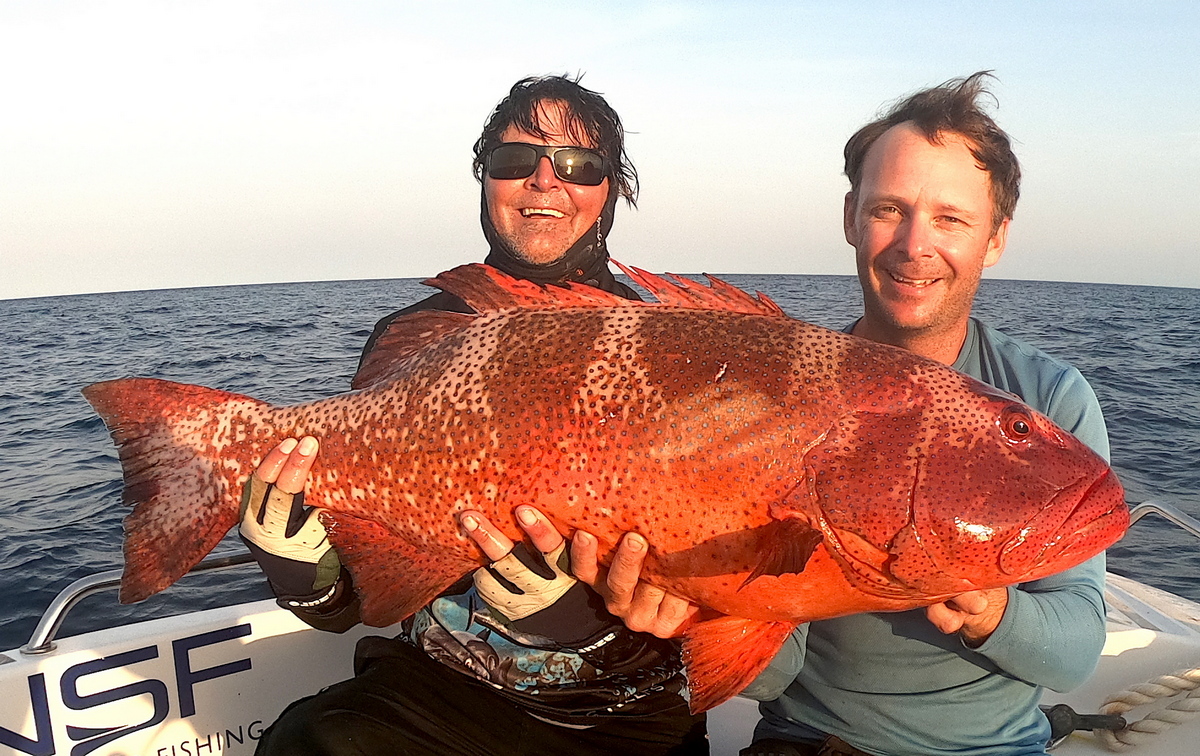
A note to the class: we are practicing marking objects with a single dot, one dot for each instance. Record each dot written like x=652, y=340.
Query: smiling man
x=521, y=659
x=924, y=227
x=933, y=187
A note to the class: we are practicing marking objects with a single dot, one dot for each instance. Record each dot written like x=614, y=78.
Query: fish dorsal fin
x=403, y=338
x=718, y=295
x=486, y=289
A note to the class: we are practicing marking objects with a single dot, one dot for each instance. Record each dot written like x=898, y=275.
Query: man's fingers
x=283, y=512
x=268, y=469
x=945, y=618
x=623, y=574
x=293, y=474
x=545, y=537
x=642, y=614
x=653, y=610
x=975, y=615
x=490, y=541
x=972, y=602
x=673, y=613
x=585, y=561
x=643, y=607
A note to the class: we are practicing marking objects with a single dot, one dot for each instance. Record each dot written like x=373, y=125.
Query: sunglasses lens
x=512, y=161
x=579, y=166
x=574, y=164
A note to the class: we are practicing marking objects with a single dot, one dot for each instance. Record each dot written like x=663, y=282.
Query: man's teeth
x=540, y=212
x=914, y=281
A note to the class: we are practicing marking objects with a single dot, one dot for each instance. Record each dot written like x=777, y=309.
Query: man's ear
x=997, y=244
x=849, y=227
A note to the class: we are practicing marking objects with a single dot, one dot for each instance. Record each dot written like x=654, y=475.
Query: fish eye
x=1016, y=425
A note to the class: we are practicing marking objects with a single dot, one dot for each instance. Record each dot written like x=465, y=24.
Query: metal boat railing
x=1166, y=511
x=42, y=639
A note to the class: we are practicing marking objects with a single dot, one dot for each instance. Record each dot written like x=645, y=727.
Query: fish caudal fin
x=725, y=654
x=392, y=576
x=180, y=491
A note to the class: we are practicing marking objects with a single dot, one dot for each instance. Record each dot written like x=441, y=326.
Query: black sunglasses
x=518, y=160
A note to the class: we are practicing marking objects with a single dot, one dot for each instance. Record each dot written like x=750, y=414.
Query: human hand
x=974, y=615
x=542, y=578
x=645, y=608
x=287, y=539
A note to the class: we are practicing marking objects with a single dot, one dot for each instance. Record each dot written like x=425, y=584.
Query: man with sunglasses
x=521, y=658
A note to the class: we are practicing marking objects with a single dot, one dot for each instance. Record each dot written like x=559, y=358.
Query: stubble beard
x=538, y=248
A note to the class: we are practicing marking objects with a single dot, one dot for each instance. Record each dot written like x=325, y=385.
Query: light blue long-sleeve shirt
x=892, y=684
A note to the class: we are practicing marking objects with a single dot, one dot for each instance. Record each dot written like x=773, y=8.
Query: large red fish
x=781, y=472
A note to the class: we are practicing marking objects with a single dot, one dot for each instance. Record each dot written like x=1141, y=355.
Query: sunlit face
x=541, y=216
x=921, y=225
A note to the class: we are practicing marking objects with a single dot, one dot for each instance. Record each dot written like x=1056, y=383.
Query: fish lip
x=1061, y=547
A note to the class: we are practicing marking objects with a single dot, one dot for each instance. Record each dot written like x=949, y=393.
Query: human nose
x=543, y=178
x=916, y=238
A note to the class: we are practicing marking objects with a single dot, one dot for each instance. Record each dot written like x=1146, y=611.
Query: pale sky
x=162, y=144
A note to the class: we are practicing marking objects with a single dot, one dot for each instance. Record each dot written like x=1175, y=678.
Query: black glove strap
x=289, y=578
x=576, y=621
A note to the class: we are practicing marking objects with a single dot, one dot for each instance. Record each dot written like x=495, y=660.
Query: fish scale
x=780, y=472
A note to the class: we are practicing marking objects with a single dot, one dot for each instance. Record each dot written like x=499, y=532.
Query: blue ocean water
x=60, y=510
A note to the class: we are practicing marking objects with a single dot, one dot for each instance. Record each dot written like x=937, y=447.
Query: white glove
x=288, y=541
x=541, y=580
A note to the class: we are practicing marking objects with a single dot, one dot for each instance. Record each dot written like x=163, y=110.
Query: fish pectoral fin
x=392, y=576
x=725, y=654
x=785, y=547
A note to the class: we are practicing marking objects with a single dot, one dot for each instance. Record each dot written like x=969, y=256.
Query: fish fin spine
x=486, y=289
x=718, y=295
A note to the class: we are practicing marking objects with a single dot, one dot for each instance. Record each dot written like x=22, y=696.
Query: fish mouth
x=1098, y=518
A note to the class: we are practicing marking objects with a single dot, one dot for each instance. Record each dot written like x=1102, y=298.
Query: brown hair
x=590, y=116
x=950, y=108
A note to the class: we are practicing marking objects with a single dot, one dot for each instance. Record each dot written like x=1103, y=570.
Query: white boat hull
x=193, y=685
x=208, y=683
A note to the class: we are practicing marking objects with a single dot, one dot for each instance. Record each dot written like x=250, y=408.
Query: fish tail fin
x=181, y=485
x=725, y=654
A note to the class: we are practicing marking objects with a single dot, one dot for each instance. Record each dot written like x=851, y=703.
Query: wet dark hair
x=591, y=122
x=950, y=108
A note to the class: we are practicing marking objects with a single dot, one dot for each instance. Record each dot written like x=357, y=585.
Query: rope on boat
x=1185, y=709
